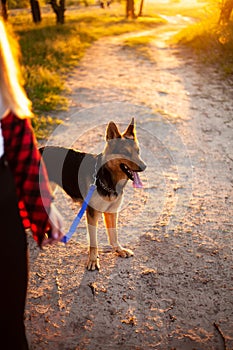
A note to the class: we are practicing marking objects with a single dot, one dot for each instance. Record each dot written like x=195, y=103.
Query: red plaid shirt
x=32, y=185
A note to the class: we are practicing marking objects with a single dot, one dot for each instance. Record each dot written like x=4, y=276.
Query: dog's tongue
x=137, y=183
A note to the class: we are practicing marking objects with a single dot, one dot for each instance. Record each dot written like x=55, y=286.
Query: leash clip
x=95, y=171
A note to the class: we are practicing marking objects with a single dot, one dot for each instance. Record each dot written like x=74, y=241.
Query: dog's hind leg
x=110, y=220
x=92, y=222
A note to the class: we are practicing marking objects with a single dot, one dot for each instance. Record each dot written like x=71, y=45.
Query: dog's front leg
x=92, y=222
x=111, y=226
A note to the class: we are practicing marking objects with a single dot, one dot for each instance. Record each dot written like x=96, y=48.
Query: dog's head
x=121, y=154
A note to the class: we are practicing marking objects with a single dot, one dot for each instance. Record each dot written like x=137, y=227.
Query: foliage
x=210, y=41
x=44, y=125
x=18, y=4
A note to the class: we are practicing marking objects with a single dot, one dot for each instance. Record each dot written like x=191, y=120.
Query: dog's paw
x=93, y=260
x=123, y=253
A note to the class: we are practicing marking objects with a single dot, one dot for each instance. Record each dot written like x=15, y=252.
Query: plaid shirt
x=32, y=185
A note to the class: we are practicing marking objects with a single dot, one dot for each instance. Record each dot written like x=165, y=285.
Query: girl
x=25, y=197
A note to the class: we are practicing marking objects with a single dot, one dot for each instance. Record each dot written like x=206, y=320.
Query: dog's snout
x=142, y=166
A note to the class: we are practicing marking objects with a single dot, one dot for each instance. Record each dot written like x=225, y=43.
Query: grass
x=140, y=45
x=50, y=52
x=211, y=42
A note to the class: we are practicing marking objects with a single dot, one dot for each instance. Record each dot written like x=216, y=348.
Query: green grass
x=51, y=51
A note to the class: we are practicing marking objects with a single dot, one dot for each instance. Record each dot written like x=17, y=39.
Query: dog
x=74, y=171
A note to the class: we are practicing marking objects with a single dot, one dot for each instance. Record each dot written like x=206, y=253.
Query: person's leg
x=13, y=264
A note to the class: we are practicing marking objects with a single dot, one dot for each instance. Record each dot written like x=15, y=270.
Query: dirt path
x=176, y=292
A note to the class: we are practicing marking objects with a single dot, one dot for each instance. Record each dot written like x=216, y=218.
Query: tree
x=35, y=7
x=226, y=10
x=130, y=11
x=140, y=9
x=4, y=9
x=59, y=10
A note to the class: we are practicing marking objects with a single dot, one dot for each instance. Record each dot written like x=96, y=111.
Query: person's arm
x=32, y=185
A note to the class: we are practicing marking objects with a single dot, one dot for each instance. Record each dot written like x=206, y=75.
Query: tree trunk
x=130, y=11
x=4, y=10
x=141, y=8
x=59, y=10
x=35, y=7
x=226, y=11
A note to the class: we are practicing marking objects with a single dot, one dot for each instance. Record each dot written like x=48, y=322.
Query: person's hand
x=56, y=223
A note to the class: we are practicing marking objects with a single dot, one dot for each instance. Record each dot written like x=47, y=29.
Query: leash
x=136, y=184
x=79, y=216
x=82, y=210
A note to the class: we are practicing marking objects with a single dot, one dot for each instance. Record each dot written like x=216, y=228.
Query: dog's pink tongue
x=137, y=183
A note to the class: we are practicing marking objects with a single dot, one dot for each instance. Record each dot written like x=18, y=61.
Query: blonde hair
x=11, y=89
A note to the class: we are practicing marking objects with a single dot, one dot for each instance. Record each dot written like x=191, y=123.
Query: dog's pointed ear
x=130, y=132
x=112, y=132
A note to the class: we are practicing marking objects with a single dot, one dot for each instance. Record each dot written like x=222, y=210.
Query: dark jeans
x=13, y=265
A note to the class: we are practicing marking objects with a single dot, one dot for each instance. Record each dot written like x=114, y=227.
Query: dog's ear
x=112, y=132
x=130, y=132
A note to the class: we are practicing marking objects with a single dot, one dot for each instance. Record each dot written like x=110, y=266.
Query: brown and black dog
x=74, y=171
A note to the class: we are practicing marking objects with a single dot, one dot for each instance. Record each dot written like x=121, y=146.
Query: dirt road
x=177, y=290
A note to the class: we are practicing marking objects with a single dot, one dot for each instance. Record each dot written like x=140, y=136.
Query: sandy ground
x=177, y=290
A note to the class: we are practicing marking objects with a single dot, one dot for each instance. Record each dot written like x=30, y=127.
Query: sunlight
x=179, y=2
x=185, y=8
